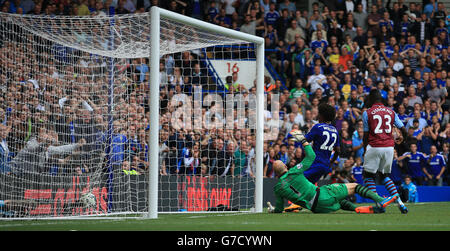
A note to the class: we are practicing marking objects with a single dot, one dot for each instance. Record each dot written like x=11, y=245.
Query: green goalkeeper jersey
x=294, y=186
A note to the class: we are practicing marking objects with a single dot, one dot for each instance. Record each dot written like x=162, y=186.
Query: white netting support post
x=259, y=127
x=154, y=113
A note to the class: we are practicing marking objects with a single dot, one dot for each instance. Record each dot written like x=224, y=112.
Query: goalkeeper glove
x=270, y=208
x=298, y=136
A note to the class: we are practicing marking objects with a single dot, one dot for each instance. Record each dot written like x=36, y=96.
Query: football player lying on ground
x=293, y=186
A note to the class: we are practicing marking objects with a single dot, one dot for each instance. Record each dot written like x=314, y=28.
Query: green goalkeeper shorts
x=330, y=197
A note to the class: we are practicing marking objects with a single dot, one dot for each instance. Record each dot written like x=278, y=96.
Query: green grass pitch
x=422, y=216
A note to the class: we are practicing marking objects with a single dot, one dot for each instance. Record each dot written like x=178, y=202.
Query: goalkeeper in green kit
x=293, y=186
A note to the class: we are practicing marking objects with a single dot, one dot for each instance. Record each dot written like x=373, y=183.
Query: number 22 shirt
x=324, y=137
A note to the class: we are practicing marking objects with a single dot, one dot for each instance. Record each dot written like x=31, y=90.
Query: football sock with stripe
x=392, y=189
x=368, y=193
x=347, y=205
x=370, y=184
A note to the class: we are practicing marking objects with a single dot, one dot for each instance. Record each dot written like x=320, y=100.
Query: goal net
x=77, y=116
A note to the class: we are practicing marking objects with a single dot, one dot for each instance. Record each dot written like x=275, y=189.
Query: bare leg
x=351, y=187
x=355, y=188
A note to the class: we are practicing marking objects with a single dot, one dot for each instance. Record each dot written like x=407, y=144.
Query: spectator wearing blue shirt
x=414, y=82
x=118, y=144
x=380, y=87
x=422, y=68
x=385, y=52
x=315, y=19
x=430, y=7
x=14, y=6
x=441, y=78
x=271, y=17
x=410, y=45
x=425, y=140
x=442, y=29
x=300, y=57
x=290, y=6
x=409, y=186
x=444, y=39
x=212, y=11
x=357, y=171
x=437, y=44
x=4, y=150
x=386, y=21
x=404, y=26
x=368, y=86
x=417, y=115
x=402, y=115
x=320, y=42
x=416, y=128
x=349, y=113
x=222, y=19
x=283, y=154
x=415, y=161
x=271, y=34
x=435, y=168
x=357, y=143
x=355, y=103
x=431, y=111
x=396, y=171
x=142, y=69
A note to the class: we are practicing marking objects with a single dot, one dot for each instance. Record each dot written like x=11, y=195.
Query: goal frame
x=155, y=16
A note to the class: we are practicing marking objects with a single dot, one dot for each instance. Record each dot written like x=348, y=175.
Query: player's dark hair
x=374, y=97
x=327, y=112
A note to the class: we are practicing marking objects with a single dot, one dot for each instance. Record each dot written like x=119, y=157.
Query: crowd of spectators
x=335, y=53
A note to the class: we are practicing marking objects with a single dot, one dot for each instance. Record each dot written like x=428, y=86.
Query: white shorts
x=378, y=159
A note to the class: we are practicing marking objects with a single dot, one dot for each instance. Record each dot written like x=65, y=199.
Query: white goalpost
x=156, y=14
x=134, y=114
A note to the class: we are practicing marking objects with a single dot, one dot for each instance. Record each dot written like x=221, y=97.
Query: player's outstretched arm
x=298, y=136
x=310, y=156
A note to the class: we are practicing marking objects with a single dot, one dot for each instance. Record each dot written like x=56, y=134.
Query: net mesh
x=120, y=36
x=75, y=117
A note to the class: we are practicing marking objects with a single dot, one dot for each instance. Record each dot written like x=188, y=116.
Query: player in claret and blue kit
x=378, y=123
